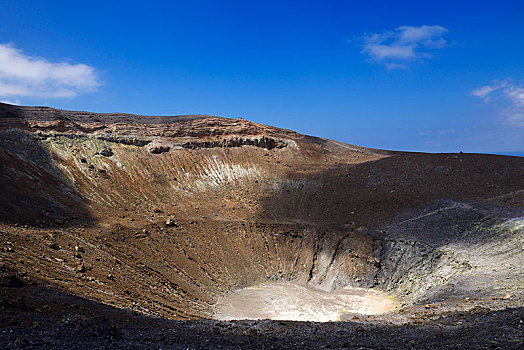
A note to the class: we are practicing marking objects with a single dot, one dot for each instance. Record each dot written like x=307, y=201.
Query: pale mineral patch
x=289, y=301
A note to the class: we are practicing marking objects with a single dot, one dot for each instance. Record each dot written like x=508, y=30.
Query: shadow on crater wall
x=33, y=190
x=371, y=194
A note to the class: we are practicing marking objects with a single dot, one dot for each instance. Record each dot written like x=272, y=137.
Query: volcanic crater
x=201, y=217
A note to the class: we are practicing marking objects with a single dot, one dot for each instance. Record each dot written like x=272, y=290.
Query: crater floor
x=197, y=220
x=289, y=301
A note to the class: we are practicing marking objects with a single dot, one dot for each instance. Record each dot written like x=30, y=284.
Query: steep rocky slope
x=163, y=215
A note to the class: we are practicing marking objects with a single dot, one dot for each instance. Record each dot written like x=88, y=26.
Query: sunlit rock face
x=176, y=215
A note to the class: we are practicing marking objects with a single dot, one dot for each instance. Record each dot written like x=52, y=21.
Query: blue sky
x=405, y=75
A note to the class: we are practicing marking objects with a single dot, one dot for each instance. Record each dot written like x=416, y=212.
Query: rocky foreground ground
x=34, y=317
x=123, y=231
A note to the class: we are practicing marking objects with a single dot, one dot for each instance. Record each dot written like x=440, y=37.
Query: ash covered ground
x=125, y=231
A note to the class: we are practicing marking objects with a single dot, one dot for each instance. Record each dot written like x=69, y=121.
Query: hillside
x=166, y=215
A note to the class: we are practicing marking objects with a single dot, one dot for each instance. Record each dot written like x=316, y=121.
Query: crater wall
x=166, y=214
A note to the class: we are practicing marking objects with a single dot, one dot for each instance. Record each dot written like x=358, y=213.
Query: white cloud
x=486, y=90
x=510, y=93
x=483, y=91
x=396, y=48
x=381, y=52
x=22, y=75
x=515, y=94
x=15, y=102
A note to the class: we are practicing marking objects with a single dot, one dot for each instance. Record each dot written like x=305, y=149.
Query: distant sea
x=516, y=154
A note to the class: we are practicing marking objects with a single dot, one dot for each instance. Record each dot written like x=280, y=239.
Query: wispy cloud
x=22, y=75
x=437, y=132
x=484, y=91
x=510, y=94
x=403, y=45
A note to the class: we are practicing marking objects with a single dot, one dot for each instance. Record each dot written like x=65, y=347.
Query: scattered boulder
x=54, y=246
x=170, y=223
x=81, y=268
x=106, y=152
x=157, y=148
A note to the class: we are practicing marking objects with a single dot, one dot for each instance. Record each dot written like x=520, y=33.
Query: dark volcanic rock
x=226, y=204
x=106, y=152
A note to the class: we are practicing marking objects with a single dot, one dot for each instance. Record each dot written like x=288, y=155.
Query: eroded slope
x=166, y=214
